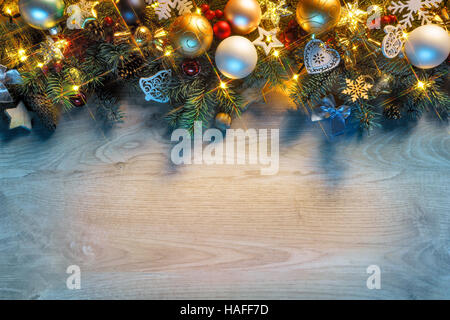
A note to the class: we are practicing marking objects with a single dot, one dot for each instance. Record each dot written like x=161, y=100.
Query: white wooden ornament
x=319, y=58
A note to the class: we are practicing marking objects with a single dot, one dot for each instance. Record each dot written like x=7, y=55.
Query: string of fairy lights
x=352, y=25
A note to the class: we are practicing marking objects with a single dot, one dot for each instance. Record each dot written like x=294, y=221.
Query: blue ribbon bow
x=327, y=110
x=10, y=77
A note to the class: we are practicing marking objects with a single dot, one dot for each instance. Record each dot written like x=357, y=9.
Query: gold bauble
x=143, y=36
x=317, y=16
x=243, y=15
x=191, y=35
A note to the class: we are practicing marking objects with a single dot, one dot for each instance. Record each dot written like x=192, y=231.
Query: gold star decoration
x=274, y=11
x=267, y=40
x=19, y=117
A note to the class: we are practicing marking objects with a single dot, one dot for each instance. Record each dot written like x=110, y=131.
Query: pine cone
x=94, y=30
x=130, y=68
x=392, y=112
x=47, y=113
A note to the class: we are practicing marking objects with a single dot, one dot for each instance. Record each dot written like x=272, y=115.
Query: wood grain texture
x=141, y=227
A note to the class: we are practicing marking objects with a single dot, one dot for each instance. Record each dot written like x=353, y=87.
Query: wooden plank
x=141, y=227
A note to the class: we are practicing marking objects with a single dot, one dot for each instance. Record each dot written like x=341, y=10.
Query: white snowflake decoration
x=163, y=8
x=418, y=7
x=155, y=87
x=358, y=88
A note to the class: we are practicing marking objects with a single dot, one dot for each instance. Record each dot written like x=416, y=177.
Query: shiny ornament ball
x=78, y=100
x=317, y=16
x=427, y=46
x=143, y=36
x=219, y=13
x=243, y=15
x=191, y=67
x=236, y=57
x=191, y=35
x=210, y=15
x=223, y=121
x=42, y=14
x=222, y=30
x=108, y=22
x=131, y=10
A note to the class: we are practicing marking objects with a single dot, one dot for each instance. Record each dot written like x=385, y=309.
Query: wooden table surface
x=141, y=227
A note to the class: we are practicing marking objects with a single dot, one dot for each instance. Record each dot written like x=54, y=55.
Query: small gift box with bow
x=8, y=77
x=336, y=116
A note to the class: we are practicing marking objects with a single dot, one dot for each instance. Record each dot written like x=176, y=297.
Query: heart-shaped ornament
x=319, y=58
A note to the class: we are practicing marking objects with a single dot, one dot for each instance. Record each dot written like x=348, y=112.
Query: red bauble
x=108, y=21
x=210, y=15
x=78, y=100
x=191, y=67
x=219, y=13
x=222, y=29
x=392, y=18
x=385, y=20
x=204, y=8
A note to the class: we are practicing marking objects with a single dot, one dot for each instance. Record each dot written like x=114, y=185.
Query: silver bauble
x=42, y=14
x=236, y=57
x=427, y=46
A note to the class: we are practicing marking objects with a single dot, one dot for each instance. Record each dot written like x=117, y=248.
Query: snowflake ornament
x=357, y=89
x=417, y=7
x=274, y=11
x=163, y=8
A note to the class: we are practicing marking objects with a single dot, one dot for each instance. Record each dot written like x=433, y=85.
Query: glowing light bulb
x=223, y=85
x=295, y=77
x=276, y=53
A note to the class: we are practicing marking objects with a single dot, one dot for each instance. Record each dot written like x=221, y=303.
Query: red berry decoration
x=78, y=100
x=219, y=13
x=385, y=20
x=191, y=67
x=108, y=21
x=204, y=8
x=392, y=18
x=222, y=30
x=210, y=15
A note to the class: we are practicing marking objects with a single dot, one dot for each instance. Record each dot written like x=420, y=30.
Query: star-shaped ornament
x=19, y=117
x=267, y=40
x=274, y=11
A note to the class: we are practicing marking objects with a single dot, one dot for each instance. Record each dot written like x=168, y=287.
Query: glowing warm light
x=295, y=77
x=22, y=55
x=405, y=35
x=8, y=11
x=199, y=11
x=40, y=65
x=276, y=53
x=167, y=53
x=75, y=88
x=223, y=85
x=421, y=85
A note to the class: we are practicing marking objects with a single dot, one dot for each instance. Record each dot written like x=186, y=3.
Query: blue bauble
x=427, y=46
x=42, y=14
x=131, y=10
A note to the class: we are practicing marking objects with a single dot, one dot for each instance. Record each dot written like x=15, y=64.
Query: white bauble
x=427, y=46
x=236, y=57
